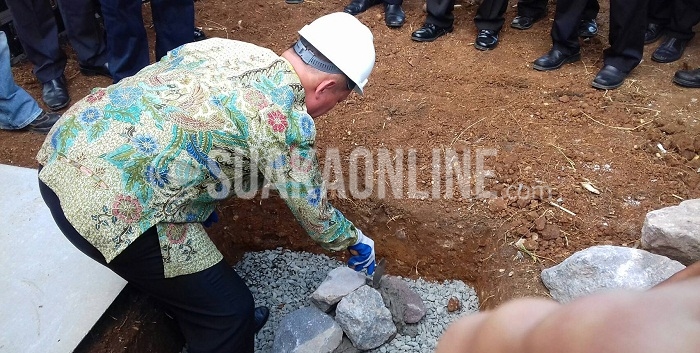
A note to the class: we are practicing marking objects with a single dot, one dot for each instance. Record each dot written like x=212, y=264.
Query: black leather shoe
x=554, y=59
x=487, y=39
x=687, y=78
x=523, y=22
x=199, y=34
x=359, y=6
x=55, y=93
x=394, y=16
x=653, y=33
x=43, y=123
x=102, y=70
x=261, y=314
x=429, y=32
x=609, y=77
x=587, y=28
x=670, y=50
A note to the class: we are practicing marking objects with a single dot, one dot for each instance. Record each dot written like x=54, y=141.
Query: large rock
x=405, y=305
x=607, y=267
x=338, y=283
x=346, y=347
x=365, y=319
x=307, y=330
x=674, y=232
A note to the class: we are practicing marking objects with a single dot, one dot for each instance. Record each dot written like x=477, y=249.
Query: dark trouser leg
x=213, y=307
x=126, y=37
x=686, y=14
x=660, y=12
x=393, y=2
x=591, y=10
x=626, y=34
x=174, y=22
x=84, y=32
x=532, y=8
x=36, y=28
x=567, y=17
x=440, y=13
x=490, y=14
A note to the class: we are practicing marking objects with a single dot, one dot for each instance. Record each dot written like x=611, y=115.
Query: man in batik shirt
x=132, y=170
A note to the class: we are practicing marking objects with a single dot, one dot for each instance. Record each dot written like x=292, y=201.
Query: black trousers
x=214, y=308
x=626, y=33
x=490, y=13
x=38, y=32
x=538, y=8
x=685, y=15
x=488, y=16
x=440, y=13
x=173, y=21
x=660, y=12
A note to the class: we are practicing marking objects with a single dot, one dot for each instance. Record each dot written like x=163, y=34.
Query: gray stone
x=607, y=267
x=339, y=283
x=674, y=232
x=410, y=330
x=405, y=305
x=346, y=347
x=365, y=319
x=307, y=330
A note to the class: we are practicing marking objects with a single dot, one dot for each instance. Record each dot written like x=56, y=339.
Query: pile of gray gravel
x=283, y=280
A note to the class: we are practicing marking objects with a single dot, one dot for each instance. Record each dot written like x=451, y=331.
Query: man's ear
x=326, y=86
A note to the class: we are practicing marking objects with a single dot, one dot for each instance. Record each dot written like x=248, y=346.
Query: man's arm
x=684, y=274
x=665, y=318
x=294, y=172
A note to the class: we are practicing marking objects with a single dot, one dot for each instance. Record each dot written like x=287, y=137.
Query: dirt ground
x=549, y=130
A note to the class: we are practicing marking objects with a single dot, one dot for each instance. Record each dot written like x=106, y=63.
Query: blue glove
x=213, y=218
x=363, y=254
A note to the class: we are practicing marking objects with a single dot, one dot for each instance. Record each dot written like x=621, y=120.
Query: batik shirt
x=211, y=120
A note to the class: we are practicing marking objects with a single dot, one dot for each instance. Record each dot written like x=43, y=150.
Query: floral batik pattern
x=211, y=120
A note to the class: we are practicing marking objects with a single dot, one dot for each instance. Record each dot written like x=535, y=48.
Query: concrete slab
x=51, y=294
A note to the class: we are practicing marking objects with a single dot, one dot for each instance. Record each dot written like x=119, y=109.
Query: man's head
x=334, y=55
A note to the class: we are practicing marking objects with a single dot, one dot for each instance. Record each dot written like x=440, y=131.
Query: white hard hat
x=346, y=42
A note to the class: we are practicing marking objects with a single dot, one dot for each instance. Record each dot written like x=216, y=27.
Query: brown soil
x=550, y=129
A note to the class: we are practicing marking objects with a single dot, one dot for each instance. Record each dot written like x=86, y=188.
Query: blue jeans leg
x=17, y=107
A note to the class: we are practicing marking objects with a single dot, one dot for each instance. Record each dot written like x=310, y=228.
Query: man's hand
x=363, y=254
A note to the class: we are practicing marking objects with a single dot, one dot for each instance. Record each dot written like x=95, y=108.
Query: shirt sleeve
x=291, y=166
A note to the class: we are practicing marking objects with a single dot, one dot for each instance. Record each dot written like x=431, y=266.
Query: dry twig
x=561, y=150
x=562, y=208
x=619, y=127
x=532, y=254
x=464, y=130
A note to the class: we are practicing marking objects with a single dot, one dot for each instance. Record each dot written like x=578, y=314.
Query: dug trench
x=447, y=248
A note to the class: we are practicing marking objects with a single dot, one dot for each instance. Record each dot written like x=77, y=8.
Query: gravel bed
x=283, y=280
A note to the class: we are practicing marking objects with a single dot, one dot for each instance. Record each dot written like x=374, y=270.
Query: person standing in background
x=679, y=30
x=173, y=21
x=626, y=38
x=394, y=15
x=531, y=11
x=37, y=30
x=18, y=110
